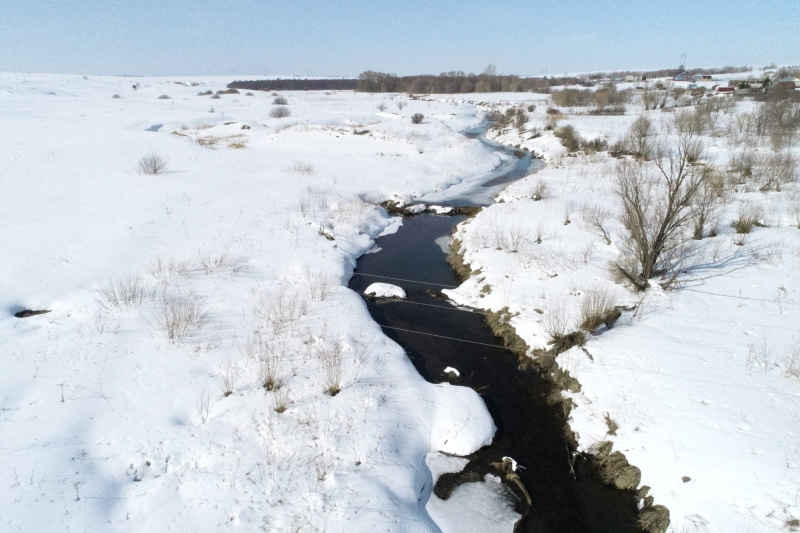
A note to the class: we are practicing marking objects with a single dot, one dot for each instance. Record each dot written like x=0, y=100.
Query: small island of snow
x=385, y=290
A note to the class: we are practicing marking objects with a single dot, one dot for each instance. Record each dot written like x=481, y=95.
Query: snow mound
x=385, y=290
x=461, y=423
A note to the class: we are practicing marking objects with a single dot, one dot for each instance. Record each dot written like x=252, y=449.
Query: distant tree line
x=296, y=84
x=455, y=82
x=668, y=72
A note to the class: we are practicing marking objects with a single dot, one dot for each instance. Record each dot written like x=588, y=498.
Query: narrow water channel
x=565, y=497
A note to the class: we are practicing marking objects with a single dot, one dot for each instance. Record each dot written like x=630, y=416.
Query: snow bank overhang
x=461, y=422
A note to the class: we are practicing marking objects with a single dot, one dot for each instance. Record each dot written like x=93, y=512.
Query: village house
x=788, y=83
x=722, y=89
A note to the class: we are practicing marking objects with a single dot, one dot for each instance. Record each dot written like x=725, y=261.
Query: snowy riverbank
x=139, y=402
x=698, y=385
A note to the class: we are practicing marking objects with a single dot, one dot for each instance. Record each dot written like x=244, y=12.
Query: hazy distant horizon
x=343, y=39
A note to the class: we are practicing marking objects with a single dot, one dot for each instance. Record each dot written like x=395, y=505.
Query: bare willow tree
x=657, y=201
x=653, y=98
x=638, y=140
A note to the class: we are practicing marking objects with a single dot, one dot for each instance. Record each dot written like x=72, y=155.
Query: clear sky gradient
x=346, y=37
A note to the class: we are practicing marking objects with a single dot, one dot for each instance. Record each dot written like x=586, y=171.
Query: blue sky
x=346, y=37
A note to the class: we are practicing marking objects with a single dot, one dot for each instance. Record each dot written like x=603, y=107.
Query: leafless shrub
x=690, y=122
x=401, y=104
x=654, y=98
x=791, y=361
x=761, y=352
x=282, y=309
x=794, y=210
x=551, y=120
x=596, y=220
x=739, y=129
x=538, y=233
x=778, y=170
x=586, y=253
x=280, y=112
x=540, y=191
x=320, y=285
x=568, y=208
x=517, y=236
x=611, y=424
x=597, y=308
x=381, y=107
x=744, y=166
x=302, y=168
x=182, y=316
x=228, y=377
x=208, y=141
x=280, y=401
x=204, y=405
x=280, y=100
x=174, y=267
x=569, y=137
x=750, y=214
x=125, y=293
x=417, y=118
x=268, y=355
x=555, y=320
x=707, y=203
x=217, y=263
x=152, y=164
x=330, y=357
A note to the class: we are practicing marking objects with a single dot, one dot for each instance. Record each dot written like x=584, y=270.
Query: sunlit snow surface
x=242, y=250
x=702, y=381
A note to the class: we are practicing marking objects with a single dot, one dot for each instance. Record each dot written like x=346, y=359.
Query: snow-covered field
x=698, y=385
x=203, y=364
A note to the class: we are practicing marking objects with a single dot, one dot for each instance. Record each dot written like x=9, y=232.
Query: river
x=564, y=495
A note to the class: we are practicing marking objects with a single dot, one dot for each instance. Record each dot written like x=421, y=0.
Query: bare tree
x=638, y=139
x=654, y=98
x=707, y=203
x=657, y=208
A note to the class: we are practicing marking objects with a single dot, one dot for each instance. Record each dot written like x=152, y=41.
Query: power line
x=606, y=365
x=407, y=280
x=453, y=339
x=446, y=308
